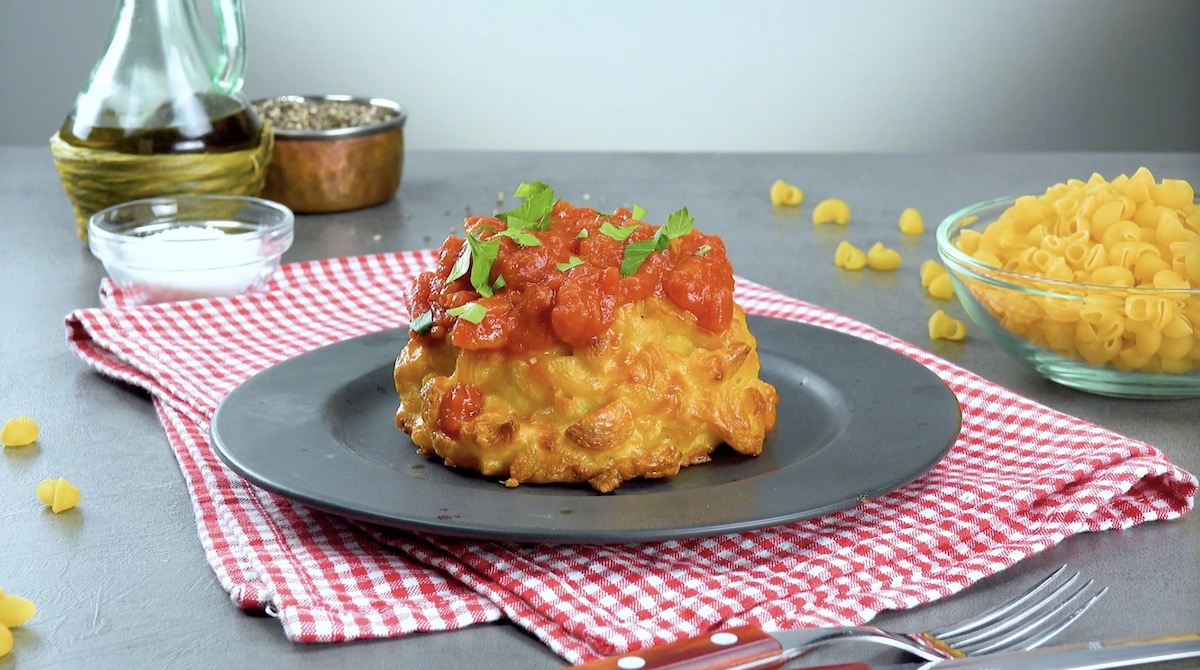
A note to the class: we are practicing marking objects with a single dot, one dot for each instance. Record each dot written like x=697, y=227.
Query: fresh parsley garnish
x=636, y=253
x=638, y=211
x=582, y=234
x=572, y=262
x=703, y=250
x=461, y=264
x=535, y=211
x=483, y=255
x=618, y=233
x=422, y=324
x=471, y=311
x=520, y=236
x=679, y=223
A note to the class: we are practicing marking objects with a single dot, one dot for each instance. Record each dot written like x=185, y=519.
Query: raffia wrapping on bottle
x=95, y=178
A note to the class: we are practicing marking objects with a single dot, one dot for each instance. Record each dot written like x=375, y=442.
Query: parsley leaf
x=535, y=211
x=471, y=311
x=572, y=262
x=520, y=236
x=582, y=234
x=461, y=264
x=483, y=255
x=679, y=223
x=422, y=324
x=635, y=254
x=618, y=233
x=500, y=283
x=638, y=211
x=530, y=190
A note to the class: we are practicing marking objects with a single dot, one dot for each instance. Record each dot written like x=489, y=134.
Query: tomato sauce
x=459, y=405
x=542, y=305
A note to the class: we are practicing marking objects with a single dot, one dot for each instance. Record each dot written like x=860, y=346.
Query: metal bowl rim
x=395, y=123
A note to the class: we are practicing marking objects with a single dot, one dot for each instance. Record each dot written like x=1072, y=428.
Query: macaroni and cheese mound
x=583, y=347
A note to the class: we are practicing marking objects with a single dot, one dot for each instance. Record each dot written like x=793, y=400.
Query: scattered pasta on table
x=831, y=210
x=59, y=494
x=911, y=222
x=849, y=257
x=14, y=611
x=883, y=259
x=785, y=194
x=19, y=431
x=942, y=326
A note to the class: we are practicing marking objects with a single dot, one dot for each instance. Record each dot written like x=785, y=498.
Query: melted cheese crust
x=653, y=394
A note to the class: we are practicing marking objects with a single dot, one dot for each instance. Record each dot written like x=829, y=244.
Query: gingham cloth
x=1020, y=478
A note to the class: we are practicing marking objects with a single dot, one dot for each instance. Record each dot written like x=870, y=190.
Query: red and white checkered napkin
x=1020, y=478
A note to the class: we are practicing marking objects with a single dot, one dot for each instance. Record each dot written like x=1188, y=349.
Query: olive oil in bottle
x=162, y=113
x=214, y=124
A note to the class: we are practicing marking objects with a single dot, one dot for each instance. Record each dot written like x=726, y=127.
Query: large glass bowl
x=1086, y=336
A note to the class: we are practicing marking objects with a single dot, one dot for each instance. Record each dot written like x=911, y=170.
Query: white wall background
x=719, y=75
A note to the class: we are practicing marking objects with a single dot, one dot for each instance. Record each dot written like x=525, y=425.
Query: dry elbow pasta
x=19, y=431
x=14, y=611
x=911, y=222
x=882, y=258
x=936, y=281
x=878, y=257
x=783, y=193
x=942, y=326
x=1138, y=238
x=831, y=210
x=849, y=257
x=59, y=494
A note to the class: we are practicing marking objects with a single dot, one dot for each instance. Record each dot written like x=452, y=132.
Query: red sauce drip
x=541, y=306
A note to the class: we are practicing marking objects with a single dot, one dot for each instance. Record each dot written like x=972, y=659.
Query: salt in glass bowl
x=183, y=247
x=1053, y=326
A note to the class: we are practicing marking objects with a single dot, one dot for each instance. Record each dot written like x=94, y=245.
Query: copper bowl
x=333, y=162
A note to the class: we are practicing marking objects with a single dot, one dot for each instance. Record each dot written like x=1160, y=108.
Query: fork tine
x=1018, y=616
x=1036, y=633
x=1044, y=637
x=1001, y=610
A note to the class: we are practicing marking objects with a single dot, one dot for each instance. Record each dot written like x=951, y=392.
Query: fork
x=1025, y=622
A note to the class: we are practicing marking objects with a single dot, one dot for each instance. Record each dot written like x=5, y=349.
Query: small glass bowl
x=1073, y=333
x=183, y=247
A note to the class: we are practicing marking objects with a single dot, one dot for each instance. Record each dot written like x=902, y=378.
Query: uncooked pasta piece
x=883, y=259
x=942, y=326
x=911, y=222
x=849, y=257
x=785, y=194
x=19, y=431
x=941, y=287
x=15, y=610
x=58, y=494
x=831, y=210
x=929, y=271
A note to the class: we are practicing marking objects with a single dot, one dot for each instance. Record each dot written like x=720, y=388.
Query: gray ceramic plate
x=855, y=419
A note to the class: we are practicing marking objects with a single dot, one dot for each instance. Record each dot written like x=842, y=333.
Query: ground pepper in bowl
x=333, y=153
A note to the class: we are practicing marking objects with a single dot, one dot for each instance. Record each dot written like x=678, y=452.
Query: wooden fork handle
x=710, y=651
